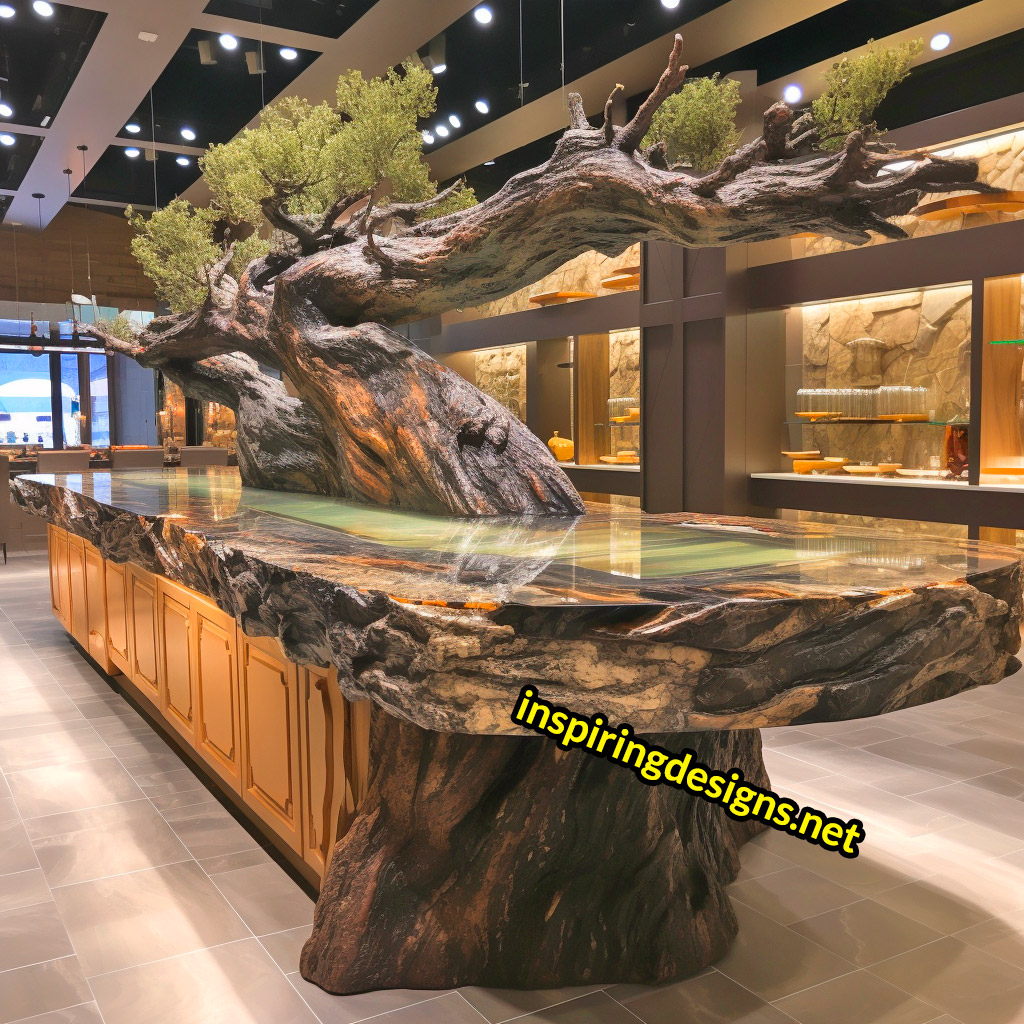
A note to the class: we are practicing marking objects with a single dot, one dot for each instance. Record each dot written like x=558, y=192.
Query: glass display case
x=880, y=385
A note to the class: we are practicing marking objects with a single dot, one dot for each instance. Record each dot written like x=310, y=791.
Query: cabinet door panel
x=116, y=585
x=79, y=613
x=270, y=738
x=217, y=692
x=143, y=634
x=96, y=608
x=323, y=765
x=176, y=661
x=60, y=583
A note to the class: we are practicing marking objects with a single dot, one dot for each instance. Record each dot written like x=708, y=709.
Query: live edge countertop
x=673, y=623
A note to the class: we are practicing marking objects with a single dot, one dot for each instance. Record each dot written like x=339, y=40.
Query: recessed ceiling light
x=132, y=152
x=670, y=4
x=42, y=8
x=6, y=110
x=183, y=161
x=483, y=106
x=45, y=121
x=940, y=41
x=439, y=69
x=6, y=140
x=454, y=120
x=229, y=42
x=427, y=137
x=442, y=130
x=289, y=52
x=7, y=11
x=148, y=37
x=483, y=14
x=188, y=134
x=132, y=128
x=792, y=93
x=488, y=163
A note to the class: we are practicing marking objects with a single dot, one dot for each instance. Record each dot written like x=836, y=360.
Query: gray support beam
x=132, y=402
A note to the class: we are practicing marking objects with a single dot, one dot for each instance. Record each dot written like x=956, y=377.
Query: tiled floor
x=129, y=895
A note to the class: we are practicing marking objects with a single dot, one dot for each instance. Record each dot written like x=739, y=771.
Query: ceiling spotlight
x=439, y=69
x=206, y=52
x=792, y=93
x=442, y=130
x=183, y=161
x=6, y=11
x=132, y=152
x=670, y=4
x=289, y=53
x=483, y=14
x=483, y=106
x=42, y=8
x=427, y=137
x=940, y=41
x=132, y=128
x=488, y=163
x=6, y=140
x=229, y=42
x=454, y=120
x=188, y=135
x=6, y=110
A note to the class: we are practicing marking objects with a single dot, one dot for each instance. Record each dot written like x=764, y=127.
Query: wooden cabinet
x=325, y=797
x=268, y=698
x=60, y=580
x=176, y=661
x=78, y=613
x=115, y=587
x=96, y=609
x=143, y=636
x=216, y=691
x=279, y=735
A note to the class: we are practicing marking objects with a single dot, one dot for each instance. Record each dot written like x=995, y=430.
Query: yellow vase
x=562, y=448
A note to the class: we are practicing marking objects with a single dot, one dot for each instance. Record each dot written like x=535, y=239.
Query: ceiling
x=75, y=80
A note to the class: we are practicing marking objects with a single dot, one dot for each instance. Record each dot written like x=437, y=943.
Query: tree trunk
x=508, y=862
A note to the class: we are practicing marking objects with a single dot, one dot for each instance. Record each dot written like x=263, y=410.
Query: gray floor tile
x=83, y=1013
x=945, y=761
x=286, y=947
x=42, y=987
x=598, y=1006
x=16, y=853
x=142, y=916
x=23, y=889
x=711, y=997
x=81, y=845
x=978, y=806
x=224, y=985
x=71, y=787
x=866, y=932
x=959, y=979
x=49, y=745
x=31, y=935
x=791, y=895
x=1000, y=936
x=233, y=861
x=773, y=961
x=500, y=1004
x=859, y=998
x=333, y=1009
x=212, y=832
x=266, y=898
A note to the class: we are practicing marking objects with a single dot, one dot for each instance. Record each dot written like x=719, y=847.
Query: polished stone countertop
x=612, y=555
x=669, y=622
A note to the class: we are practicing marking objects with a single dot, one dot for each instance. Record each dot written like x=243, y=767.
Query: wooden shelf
x=960, y=206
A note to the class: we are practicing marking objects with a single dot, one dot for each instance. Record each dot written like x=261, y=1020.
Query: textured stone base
x=508, y=862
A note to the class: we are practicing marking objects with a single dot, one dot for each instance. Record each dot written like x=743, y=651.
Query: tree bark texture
x=509, y=862
x=386, y=423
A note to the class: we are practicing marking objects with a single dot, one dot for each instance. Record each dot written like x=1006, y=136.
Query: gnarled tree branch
x=671, y=78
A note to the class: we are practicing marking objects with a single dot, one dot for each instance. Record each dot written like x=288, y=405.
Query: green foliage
x=855, y=86
x=380, y=141
x=698, y=123
x=121, y=327
x=174, y=246
x=247, y=250
x=293, y=152
x=461, y=199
